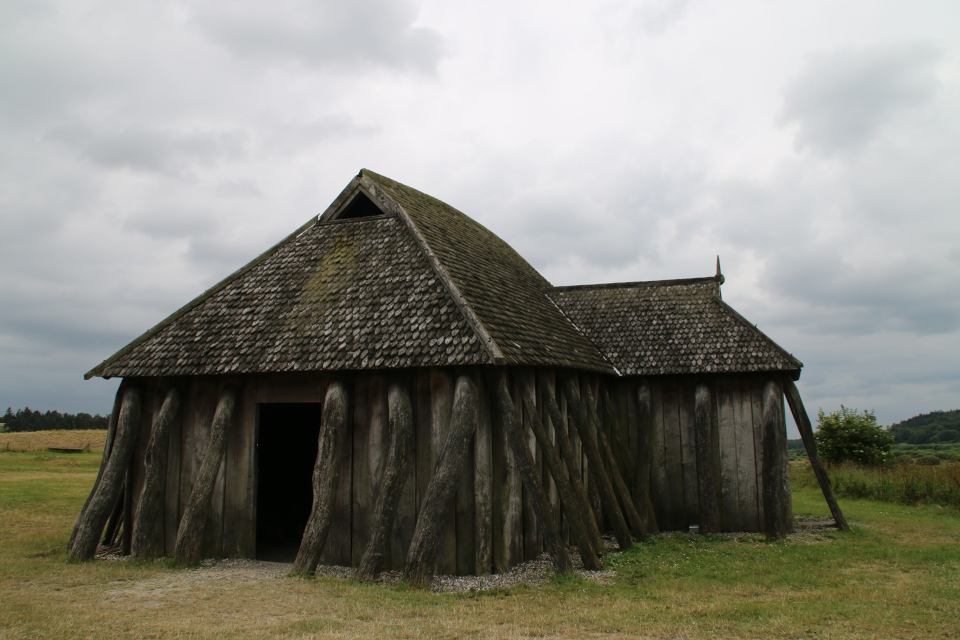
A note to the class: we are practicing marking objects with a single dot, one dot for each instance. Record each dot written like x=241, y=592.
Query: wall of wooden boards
x=491, y=526
x=737, y=439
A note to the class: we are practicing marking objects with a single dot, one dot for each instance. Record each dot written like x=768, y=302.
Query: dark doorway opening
x=286, y=453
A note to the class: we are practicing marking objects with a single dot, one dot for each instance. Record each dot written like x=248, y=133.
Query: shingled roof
x=670, y=327
x=387, y=277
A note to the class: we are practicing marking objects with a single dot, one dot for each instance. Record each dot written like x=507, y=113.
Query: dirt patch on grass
x=180, y=586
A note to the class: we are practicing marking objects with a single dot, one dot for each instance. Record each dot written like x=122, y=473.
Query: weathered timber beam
x=573, y=470
x=150, y=506
x=561, y=477
x=398, y=463
x=108, y=445
x=645, y=453
x=326, y=477
x=425, y=544
x=806, y=432
x=708, y=509
x=108, y=489
x=588, y=438
x=189, y=544
x=528, y=475
x=774, y=466
x=626, y=499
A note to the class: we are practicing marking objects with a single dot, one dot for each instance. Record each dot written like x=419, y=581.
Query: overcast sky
x=147, y=149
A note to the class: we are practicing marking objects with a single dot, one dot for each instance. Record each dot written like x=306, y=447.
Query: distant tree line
x=27, y=420
x=929, y=428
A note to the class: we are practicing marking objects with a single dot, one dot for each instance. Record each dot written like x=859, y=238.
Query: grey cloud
x=291, y=137
x=841, y=99
x=657, y=16
x=177, y=221
x=166, y=150
x=327, y=33
x=908, y=294
x=612, y=225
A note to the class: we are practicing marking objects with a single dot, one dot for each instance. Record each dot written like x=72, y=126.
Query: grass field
x=901, y=483
x=41, y=440
x=896, y=576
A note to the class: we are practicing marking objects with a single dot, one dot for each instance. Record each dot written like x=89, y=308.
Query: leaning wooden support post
x=398, y=463
x=626, y=499
x=773, y=469
x=529, y=475
x=150, y=506
x=641, y=480
x=561, y=477
x=425, y=544
x=806, y=432
x=708, y=507
x=573, y=470
x=189, y=544
x=111, y=483
x=326, y=477
x=588, y=438
x=108, y=445
x=622, y=447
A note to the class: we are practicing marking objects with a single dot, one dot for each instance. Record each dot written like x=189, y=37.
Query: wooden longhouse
x=468, y=416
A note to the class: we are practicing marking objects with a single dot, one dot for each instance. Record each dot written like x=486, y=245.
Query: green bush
x=928, y=460
x=848, y=436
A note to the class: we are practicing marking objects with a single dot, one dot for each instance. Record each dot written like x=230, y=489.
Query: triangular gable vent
x=359, y=206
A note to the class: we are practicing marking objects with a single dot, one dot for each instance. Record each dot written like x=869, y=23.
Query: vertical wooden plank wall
x=659, y=489
x=688, y=451
x=490, y=526
x=365, y=392
x=737, y=415
x=730, y=499
x=747, y=469
x=756, y=409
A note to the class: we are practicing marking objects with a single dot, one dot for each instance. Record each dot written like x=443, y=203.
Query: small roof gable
x=670, y=327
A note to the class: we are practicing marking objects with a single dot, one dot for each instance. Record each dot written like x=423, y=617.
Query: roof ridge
x=465, y=309
x=182, y=311
x=635, y=285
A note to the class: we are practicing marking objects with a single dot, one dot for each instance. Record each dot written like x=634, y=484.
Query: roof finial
x=719, y=275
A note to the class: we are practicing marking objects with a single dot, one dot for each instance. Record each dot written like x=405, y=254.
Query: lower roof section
x=670, y=327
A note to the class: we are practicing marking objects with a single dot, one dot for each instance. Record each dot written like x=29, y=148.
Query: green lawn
x=896, y=575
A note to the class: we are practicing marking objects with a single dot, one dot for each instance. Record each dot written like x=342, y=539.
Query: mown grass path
x=896, y=576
